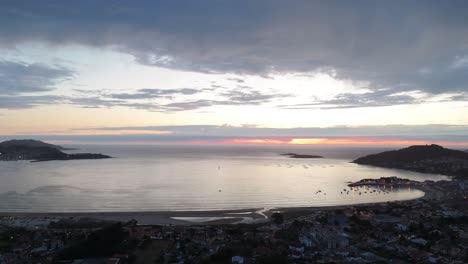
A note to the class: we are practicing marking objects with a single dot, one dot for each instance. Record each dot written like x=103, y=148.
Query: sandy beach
x=216, y=217
x=154, y=218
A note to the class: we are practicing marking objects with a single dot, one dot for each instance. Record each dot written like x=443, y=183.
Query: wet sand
x=154, y=218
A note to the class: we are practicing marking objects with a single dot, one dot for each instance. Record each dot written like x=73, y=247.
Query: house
x=296, y=252
x=401, y=227
x=237, y=260
x=306, y=241
x=334, y=240
x=419, y=241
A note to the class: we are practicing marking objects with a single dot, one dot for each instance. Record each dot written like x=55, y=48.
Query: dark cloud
x=233, y=97
x=154, y=93
x=23, y=102
x=209, y=132
x=20, y=82
x=17, y=77
x=237, y=80
x=141, y=99
x=197, y=104
x=95, y=102
x=403, y=46
x=192, y=105
x=251, y=96
x=352, y=100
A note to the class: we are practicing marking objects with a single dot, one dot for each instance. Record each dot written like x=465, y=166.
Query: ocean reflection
x=203, y=180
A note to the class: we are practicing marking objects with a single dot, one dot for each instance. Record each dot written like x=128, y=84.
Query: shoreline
x=151, y=217
x=207, y=217
x=219, y=217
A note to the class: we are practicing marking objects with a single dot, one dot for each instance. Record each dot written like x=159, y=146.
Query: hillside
x=30, y=143
x=34, y=150
x=424, y=158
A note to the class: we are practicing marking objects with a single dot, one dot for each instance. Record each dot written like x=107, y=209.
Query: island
x=36, y=151
x=31, y=143
x=421, y=158
x=301, y=156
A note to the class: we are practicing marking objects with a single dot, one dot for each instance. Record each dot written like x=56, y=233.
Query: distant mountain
x=30, y=143
x=425, y=158
x=34, y=150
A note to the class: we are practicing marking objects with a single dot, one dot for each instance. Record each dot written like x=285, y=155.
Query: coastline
x=434, y=191
x=212, y=217
x=150, y=217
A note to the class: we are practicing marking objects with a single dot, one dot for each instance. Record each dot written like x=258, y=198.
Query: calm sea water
x=160, y=178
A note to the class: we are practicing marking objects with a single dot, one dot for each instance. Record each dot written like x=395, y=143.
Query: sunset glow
x=141, y=80
x=343, y=142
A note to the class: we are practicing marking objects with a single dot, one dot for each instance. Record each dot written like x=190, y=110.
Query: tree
x=277, y=218
x=103, y=242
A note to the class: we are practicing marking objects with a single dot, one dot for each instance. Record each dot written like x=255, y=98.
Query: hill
x=424, y=158
x=34, y=150
x=30, y=143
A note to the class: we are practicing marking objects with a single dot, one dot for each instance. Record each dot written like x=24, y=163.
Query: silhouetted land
x=301, y=156
x=424, y=158
x=39, y=151
x=31, y=143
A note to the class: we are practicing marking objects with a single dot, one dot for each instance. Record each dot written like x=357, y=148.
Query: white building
x=237, y=260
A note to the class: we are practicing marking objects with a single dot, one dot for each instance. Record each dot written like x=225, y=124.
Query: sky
x=235, y=72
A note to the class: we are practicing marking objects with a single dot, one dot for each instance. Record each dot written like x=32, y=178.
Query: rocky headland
x=36, y=151
x=422, y=158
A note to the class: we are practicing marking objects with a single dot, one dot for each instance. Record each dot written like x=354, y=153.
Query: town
x=433, y=229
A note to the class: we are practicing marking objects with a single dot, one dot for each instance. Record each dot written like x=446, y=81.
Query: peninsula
x=31, y=143
x=36, y=151
x=423, y=158
x=301, y=156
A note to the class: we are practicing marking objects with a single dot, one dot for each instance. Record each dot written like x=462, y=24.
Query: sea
x=196, y=178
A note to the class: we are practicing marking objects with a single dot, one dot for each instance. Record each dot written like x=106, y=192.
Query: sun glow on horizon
x=272, y=141
x=342, y=141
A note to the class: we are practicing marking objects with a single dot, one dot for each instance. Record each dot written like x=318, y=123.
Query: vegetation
x=425, y=159
x=102, y=243
x=277, y=218
x=39, y=151
x=30, y=143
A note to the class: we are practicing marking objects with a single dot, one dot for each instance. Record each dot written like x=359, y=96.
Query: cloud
x=22, y=102
x=18, y=77
x=252, y=96
x=154, y=93
x=161, y=100
x=446, y=134
x=95, y=102
x=169, y=100
x=402, y=46
x=232, y=97
x=368, y=99
x=409, y=131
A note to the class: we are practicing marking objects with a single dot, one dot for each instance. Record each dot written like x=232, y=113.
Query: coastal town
x=432, y=229
x=233, y=132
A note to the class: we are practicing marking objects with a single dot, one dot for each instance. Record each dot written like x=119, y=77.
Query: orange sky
x=348, y=141
x=341, y=141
